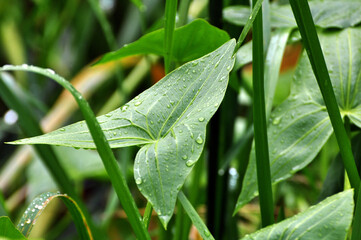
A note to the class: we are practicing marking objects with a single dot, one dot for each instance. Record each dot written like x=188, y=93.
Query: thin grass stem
x=196, y=219
x=302, y=13
x=147, y=215
x=111, y=166
x=260, y=124
x=170, y=14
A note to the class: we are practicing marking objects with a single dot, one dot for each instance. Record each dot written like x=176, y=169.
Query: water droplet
x=222, y=78
x=171, y=102
x=193, y=71
x=216, y=64
x=62, y=129
x=138, y=181
x=22, y=224
x=168, y=106
x=207, y=233
x=180, y=131
x=136, y=98
x=195, y=63
x=114, y=133
x=7, y=66
x=276, y=121
x=51, y=71
x=199, y=140
x=201, y=119
x=190, y=163
x=125, y=107
x=28, y=221
x=137, y=103
x=185, y=157
x=24, y=65
x=108, y=115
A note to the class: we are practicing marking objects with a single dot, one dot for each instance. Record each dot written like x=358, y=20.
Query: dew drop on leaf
x=199, y=140
x=201, y=119
x=190, y=163
x=276, y=121
x=137, y=103
x=108, y=115
x=28, y=221
x=125, y=107
x=51, y=71
x=195, y=63
x=185, y=157
x=138, y=181
x=62, y=129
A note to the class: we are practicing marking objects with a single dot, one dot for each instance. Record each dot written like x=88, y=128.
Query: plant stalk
x=170, y=14
x=302, y=13
x=260, y=124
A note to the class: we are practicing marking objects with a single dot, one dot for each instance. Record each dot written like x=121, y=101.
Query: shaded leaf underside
x=169, y=122
x=300, y=126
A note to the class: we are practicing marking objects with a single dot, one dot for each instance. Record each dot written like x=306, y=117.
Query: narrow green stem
x=196, y=219
x=356, y=229
x=170, y=14
x=147, y=215
x=104, y=150
x=260, y=124
x=183, y=12
x=30, y=126
x=247, y=27
x=305, y=23
x=179, y=222
x=109, y=36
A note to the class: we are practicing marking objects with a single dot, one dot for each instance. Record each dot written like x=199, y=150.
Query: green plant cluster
x=230, y=120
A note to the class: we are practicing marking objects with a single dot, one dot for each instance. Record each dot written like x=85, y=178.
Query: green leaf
x=331, y=14
x=38, y=205
x=8, y=231
x=188, y=43
x=300, y=126
x=169, y=122
x=329, y=220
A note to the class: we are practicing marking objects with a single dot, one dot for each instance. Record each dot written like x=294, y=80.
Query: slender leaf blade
x=329, y=220
x=188, y=44
x=38, y=205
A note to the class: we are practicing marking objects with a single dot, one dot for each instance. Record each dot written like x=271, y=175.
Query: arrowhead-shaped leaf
x=188, y=44
x=326, y=14
x=169, y=122
x=300, y=126
x=329, y=220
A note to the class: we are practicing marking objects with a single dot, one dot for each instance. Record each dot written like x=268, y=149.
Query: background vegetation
x=68, y=37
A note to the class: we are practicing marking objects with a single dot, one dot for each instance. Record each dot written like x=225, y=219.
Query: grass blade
x=170, y=13
x=311, y=42
x=197, y=221
x=37, y=206
x=30, y=126
x=103, y=148
x=260, y=124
